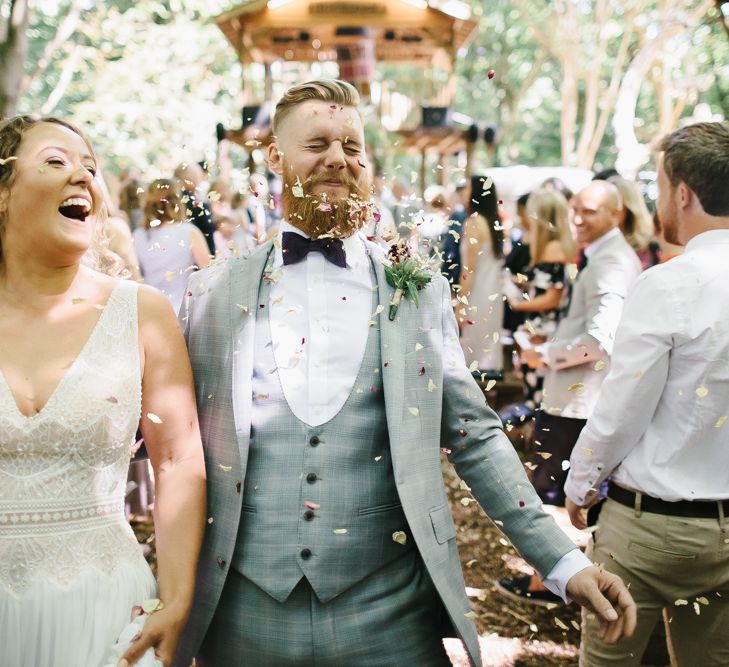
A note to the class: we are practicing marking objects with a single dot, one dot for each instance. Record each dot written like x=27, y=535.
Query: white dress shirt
x=319, y=316
x=661, y=425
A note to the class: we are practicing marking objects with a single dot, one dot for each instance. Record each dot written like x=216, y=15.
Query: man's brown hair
x=698, y=155
x=327, y=90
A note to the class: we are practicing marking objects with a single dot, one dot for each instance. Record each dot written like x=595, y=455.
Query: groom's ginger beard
x=306, y=214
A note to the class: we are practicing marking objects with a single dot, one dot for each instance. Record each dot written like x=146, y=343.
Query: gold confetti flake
x=418, y=347
x=560, y=624
x=702, y=392
x=77, y=300
x=340, y=531
x=414, y=411
x=473, y=367
x=637, y=375
x=152, y=605
x=153, y=418
x=400, y=537
x=210, y=520
x=378, y=458
x=467, y=501
x=490, y=385
x=680, y=602
x=544, y=455
x=599, y=365
x=471, y=615
x=170, y=276
x=576, y=387
x=463, y=486
x=431, y=385
x=225, y=468
x=720, y=422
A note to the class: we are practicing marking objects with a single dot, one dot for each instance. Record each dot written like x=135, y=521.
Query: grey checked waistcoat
x=318, y=502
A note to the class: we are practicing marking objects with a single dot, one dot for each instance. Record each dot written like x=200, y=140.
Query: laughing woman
x=82, y=355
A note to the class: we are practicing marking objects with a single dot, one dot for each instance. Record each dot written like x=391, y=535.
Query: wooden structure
x=356, y=34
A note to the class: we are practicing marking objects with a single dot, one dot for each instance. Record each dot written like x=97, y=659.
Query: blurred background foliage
x=576, y=82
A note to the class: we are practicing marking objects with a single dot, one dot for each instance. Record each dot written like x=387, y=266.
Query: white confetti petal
x=153, y=418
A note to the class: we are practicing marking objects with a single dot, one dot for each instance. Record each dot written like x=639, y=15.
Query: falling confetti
x=599, y=365
x=225, y=468
x=720, y=422
x=702, y=392
x=400, y=537
x=340, y=531
x=153, y=418
x=577, y=387
x=432, y=386
x=471, y=615
x=414, y=411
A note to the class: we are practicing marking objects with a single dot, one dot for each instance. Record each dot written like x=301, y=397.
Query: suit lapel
x=243, y=306
x=392, y=342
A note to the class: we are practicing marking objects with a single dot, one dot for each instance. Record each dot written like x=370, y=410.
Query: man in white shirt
x=330, y=540
x=659, y=430
x=577, y=359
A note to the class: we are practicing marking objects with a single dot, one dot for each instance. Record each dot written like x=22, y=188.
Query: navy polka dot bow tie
x=295, y=247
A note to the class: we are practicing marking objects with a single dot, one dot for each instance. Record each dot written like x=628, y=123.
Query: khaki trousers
x=677, y=563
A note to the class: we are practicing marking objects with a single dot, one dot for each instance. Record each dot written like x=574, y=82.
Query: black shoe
x=517, y=588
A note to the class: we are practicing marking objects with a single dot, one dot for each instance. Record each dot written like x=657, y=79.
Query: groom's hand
x=605, y=595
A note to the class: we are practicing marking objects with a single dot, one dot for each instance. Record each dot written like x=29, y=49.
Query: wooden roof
x=443, y=140
x=311, y=30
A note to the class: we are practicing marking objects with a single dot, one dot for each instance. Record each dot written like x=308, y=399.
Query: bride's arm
x=172, y=436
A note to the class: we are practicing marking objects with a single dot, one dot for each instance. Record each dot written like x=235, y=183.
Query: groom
x=329, y=539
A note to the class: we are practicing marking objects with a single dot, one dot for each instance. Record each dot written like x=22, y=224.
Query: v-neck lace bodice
x=63, y=470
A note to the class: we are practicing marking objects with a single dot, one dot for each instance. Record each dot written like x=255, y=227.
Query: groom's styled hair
x=327, y=90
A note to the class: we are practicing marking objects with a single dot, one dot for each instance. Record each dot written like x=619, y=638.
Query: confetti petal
x=153, y=418
x=702, y=392
x=400, y=537
x=414, y=411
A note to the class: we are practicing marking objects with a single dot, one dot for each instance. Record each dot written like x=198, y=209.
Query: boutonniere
x=407, y=273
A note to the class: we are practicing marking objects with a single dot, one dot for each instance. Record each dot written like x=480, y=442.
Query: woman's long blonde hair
x=550, y=215
x=637, y=226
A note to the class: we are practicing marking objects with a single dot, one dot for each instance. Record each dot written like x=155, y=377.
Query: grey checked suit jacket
x=218, y=319
x=579, y=356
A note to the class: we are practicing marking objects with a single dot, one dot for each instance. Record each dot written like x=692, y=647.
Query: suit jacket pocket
x=378, y=509
x=442, y=522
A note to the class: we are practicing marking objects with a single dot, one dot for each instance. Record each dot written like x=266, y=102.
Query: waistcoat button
x=306, y=554
x=311, y=477
x=314, y=441
x=308, y=515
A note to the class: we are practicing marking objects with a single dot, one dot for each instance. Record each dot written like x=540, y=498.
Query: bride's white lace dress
x=70, y=566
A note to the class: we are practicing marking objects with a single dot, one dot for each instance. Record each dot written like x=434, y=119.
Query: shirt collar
x=591, y=249
x=708, y=238
x=354, y=247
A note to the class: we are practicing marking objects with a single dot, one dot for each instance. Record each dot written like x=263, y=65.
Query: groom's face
x=321, y=144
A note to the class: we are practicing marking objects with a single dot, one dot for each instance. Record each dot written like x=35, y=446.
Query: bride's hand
x=161, y=632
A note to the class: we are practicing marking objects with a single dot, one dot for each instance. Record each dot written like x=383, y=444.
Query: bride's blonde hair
x=12, y=131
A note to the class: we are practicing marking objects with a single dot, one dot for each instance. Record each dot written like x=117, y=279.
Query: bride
x=82, y=356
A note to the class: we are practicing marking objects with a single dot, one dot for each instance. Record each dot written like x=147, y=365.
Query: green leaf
x=413, y=292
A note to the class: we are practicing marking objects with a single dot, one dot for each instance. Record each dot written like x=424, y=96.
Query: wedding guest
x=658, y=430
x=636, y=222
x=82, y=355
x=577, y=358
x=331, y=541
x=191, y=177
x=130, y=202
x=552, y=249
x=168, y=247
x=518, y=260
x=452, y=238
x=482, y=260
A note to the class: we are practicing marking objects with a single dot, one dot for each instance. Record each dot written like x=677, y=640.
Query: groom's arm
x=485, y=459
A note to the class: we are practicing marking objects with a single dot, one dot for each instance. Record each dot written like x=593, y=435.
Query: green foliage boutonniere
x=406, y=274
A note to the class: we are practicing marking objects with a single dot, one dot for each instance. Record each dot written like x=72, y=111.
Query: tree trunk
x=12, y=56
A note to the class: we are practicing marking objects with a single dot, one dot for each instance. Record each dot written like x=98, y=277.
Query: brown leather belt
x=707, y=509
